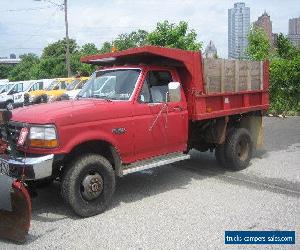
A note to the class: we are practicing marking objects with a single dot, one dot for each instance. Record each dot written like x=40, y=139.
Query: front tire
x=88, y=185
x=238, y=149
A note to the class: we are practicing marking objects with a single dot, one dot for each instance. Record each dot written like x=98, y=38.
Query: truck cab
x=143, y=108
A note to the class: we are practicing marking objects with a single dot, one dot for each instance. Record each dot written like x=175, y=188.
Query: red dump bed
x=213, y=87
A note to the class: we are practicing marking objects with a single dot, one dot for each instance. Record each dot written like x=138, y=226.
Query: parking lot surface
x=186, y=205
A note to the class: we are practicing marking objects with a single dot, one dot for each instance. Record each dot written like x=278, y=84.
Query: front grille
x=26, y=99
x=14, y=129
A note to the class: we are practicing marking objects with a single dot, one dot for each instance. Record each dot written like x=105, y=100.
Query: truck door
x=174, y=116
x=149, y=122
x=177, y=125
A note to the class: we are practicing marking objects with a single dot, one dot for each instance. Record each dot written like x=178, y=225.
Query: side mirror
x=174, y=92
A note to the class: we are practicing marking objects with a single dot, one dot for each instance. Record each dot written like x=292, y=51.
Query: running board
x=155, y=162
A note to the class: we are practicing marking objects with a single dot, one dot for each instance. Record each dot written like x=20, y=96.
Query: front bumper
x=31, y=168
x=18, y=104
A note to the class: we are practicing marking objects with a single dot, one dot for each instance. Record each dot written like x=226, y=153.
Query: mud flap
x=255, y=125
x=15, y=209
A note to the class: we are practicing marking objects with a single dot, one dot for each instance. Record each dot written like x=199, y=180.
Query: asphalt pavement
x=186, y=205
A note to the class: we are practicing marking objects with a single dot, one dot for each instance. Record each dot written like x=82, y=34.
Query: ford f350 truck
x=163, y=103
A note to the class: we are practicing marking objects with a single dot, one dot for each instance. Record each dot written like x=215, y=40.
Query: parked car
x=40, y=96
x=5, y=87
x=70, y=92
x=14, y=94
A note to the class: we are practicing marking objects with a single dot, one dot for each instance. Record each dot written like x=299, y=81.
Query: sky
x=29, y=25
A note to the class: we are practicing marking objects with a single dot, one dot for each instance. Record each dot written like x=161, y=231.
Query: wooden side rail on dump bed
x=231, y=87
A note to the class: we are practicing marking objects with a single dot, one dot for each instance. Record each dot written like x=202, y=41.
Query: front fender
x=86, y=136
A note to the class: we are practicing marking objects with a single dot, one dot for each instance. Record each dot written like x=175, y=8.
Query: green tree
x=89, y=49
x=58, y=49
x=258, y=44
x=25, y=69
x=53, y=60
x=131, y=40
x=284, y=84
x=5, y=71
x=82, y=68
x=285, y=49
x=174, y=36
x=106, y=48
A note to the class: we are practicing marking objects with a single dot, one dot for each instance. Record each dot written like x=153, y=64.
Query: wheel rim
x=91, y=186
x=243, y=149
x=9, y=106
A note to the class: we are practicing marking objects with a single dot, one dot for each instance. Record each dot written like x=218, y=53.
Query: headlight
x=31, y=98
x=43, y=137
x=51, y=98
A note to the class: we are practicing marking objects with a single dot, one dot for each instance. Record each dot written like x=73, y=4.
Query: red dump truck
x=143, y=108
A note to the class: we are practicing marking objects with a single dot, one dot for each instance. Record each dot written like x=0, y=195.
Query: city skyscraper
x=294, y=31
x=238, y=29
x=264, y=22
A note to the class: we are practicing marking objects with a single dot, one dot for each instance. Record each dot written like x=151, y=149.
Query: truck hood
x=56, y=93
x=71, y=112
x=37, y=92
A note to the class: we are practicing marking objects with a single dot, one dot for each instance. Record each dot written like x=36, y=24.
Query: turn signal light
x=43, y=143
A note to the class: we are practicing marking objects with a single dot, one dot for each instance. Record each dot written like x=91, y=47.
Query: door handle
x=178, y=108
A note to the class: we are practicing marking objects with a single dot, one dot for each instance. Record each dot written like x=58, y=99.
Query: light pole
x=64, y=7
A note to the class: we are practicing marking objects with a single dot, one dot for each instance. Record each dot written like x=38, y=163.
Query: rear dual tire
x=237, y=150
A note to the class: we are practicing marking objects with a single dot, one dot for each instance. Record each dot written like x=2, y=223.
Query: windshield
x=52, y=85
x=2, y=88
x=73, y=84
x=8, y=87
x=111, y=84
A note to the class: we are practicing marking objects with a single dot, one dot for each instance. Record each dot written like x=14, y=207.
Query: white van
x=12, y=90
x=14, y=96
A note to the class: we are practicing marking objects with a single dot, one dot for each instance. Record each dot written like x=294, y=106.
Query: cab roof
x=145, y=55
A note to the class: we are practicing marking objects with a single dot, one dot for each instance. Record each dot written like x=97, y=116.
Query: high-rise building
x=264, y=22
x=210, y=51
x=238, y=29
x=294, y=31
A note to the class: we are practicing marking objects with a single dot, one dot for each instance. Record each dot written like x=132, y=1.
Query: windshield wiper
x=104, y=97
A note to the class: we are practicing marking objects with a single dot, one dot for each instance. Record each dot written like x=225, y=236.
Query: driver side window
x=145, y=93
x=155, y=87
